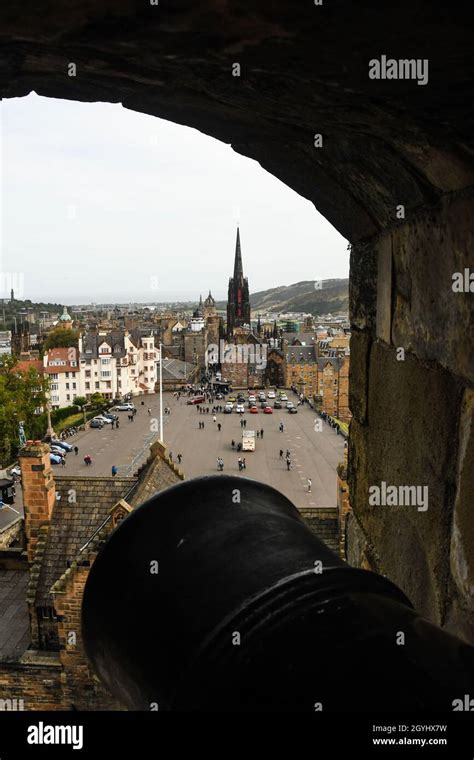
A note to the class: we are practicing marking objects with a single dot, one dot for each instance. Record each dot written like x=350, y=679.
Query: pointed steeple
x=200, y=301
x=238, y=268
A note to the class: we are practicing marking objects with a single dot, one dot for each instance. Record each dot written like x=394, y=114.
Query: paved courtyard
x=314, y=454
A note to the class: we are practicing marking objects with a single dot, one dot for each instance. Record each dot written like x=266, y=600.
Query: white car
x=240, y=409
x=289, y=404
x=104, y=420
x=124, y=407
x=283, y=397
x=271, y=394
x=252, y=398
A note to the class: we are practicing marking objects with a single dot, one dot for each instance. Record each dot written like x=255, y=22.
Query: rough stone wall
x=414, y=411
x=13, y=533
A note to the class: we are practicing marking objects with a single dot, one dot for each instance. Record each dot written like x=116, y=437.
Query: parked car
x=277, y=405
x=263, y=404
x=54, y=458
x=232, y=398
x=240, y=409
x=58, y=450
x=268, y=410
x=196, y=400
x=253, y=410
x=271, y=394
x=103, y=419
x=219, y=395
x=293, y=410
x=61, y=444
x=95, y=423
x=125, y=407
x=289, y=404
x=283, y=397
x=111, y=417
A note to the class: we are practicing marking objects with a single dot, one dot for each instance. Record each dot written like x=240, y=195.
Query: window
x=67, y=386
x=68, y=397
x=74, y=386
x=88, y=373
x=88, y=386
x=54, y=386
x=97, y=385
x=54, y=376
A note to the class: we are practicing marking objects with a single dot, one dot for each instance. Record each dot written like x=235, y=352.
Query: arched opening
x=393, y=174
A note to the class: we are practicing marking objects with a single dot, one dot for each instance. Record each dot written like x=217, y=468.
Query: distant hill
x=333, y=297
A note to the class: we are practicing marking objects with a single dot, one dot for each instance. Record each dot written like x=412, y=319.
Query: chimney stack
x=39, y=491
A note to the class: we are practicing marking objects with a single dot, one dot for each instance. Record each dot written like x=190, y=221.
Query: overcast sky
x=99, y=203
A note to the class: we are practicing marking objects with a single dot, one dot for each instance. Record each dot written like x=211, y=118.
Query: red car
x=196, y=400
x=253, y=410
x=268, y=410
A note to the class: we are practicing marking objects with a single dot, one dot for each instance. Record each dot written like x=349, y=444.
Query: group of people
x=243, y=423
x=220, y=464
x=287, y=457
x=242, y=464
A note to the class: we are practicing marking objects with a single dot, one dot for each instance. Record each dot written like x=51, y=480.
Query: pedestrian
x=232, y=443
x=63, y=461
x=258, y=433
x=171, y=456
x=219, y=426
x=244, y=465
x=180, y=456
x=288, y=453
x=113, y=424
x=288, y=463
x=214, y=418
x=76, y=450
x=135, y=411
x=149, y=411
x=218, y=463
x=117, y=424
x=261, y=433
x=239, y=463
x=309, y=485
x=203, y=425
x=281, y=453
x=114, y=471
x=245, y=423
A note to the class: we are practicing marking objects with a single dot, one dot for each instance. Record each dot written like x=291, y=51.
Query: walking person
x=261, y=433
x=180, y=456
x=63, y=461
x=232, y=443
x=288, y=463
x=244, y=465
x=245, y=423
x=117, y=425
x=114, y=471
x=214, y=418
x=219, y=426
x=149, y=411
x=113, y=424
x=288, y=454
x=171, y=456
x=309, y=485
x=281, y=453
x=76, y=450
x=258, y=433
x=239, y=462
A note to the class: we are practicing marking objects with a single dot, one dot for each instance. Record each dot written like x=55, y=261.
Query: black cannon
x=215, y=595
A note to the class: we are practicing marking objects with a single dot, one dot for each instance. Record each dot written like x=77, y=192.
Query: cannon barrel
x=215, y=595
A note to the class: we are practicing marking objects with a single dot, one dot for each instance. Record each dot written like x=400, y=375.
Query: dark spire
x=238, y=268
x=259, y=325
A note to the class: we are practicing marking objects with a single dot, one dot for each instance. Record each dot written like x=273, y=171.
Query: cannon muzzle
x=215, y=595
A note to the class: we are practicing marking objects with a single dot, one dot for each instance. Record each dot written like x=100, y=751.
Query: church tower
x=238, y=299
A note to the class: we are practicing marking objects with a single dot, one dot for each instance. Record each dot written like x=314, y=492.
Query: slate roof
x=309, y=338
x=92, y=341
x=336, y=361
x=15, y=622
x=157, y=473
x=72, y=524
x=301, y=353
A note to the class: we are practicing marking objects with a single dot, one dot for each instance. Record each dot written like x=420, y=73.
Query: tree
x=22, y=399
x=80, y=401
x=97, y=399
x=59, y=338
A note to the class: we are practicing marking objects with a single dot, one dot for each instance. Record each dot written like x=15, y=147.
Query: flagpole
x=161, y=393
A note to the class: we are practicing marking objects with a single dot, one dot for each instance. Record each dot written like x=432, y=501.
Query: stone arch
x=383, y=145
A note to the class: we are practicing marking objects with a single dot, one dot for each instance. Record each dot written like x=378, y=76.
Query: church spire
x=238, y=268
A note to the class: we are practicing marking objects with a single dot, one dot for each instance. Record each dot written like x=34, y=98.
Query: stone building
x=66, y=521
x=238, y=299
x=332, y=387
